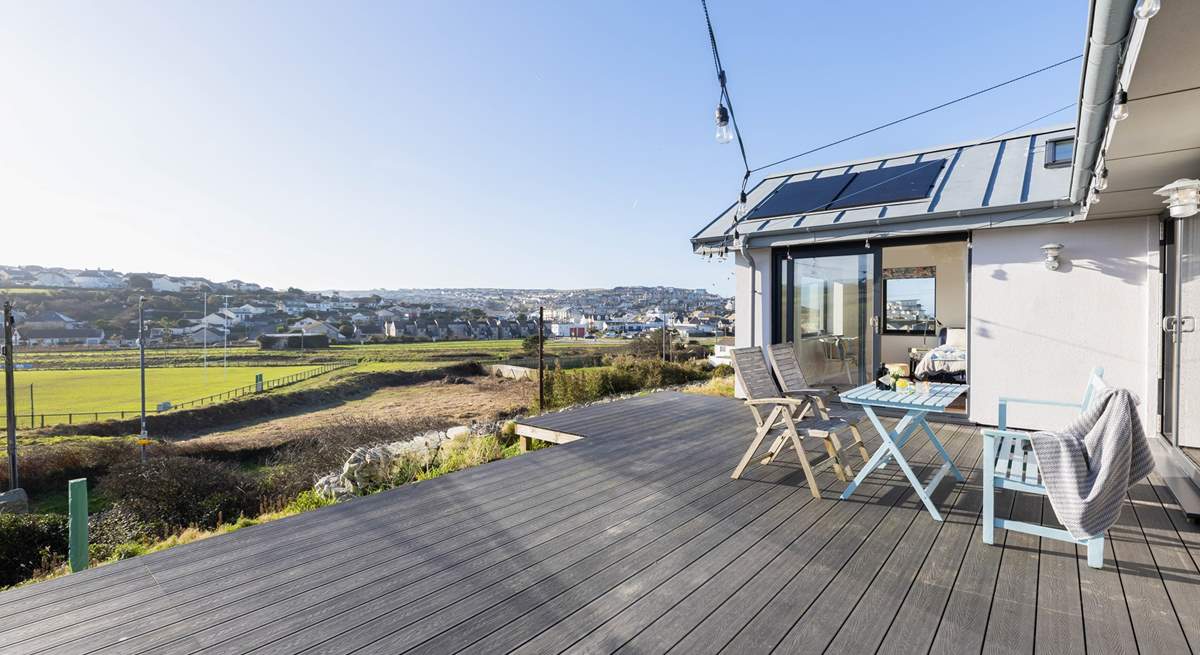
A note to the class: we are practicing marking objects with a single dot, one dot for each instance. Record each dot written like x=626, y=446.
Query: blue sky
x=523, y=144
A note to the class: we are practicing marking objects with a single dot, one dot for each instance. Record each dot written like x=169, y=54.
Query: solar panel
x=890, y=184
x=801, y=197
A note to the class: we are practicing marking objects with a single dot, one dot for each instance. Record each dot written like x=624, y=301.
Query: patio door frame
x=783, y=293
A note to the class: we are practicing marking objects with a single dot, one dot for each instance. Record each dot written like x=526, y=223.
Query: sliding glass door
x=1181, y=407
x=826, y=308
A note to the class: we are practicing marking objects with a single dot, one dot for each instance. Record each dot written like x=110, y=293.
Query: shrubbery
x=30, y=543
x=169, y=493
x=624, y=374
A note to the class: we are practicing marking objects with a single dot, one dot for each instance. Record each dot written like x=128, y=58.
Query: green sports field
x=117, y=389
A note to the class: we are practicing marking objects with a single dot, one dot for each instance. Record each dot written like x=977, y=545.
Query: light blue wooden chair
x=1009, y=463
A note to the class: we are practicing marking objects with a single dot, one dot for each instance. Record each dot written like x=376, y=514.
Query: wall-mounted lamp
x=1052, y=250
x=1182, y=197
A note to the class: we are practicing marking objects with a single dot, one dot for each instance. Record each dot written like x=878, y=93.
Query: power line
x=919, y=113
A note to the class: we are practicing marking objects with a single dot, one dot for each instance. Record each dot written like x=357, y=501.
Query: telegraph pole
x=144, y=436
x=225, y=356
x=541, y=358
x=204, y=325
x=10, y=402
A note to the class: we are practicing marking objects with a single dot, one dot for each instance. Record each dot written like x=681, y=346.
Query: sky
x=361, y=145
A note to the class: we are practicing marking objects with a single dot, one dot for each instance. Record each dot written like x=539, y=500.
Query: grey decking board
x=1155, y=623
x=963, y=622
x=524, y=615
x=613, y=506
x=867, y=624
x=1059, y=613
x=664, y=617
x=205, y=613
x=847, y=525
x=670, y=564
x=429, y=598
x=882, y=560
x=1171, y=558
x=775, y=619
x=1106, y=622
x=101, y=610
x=1012, y=620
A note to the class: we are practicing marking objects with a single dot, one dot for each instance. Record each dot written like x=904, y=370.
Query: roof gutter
x=870, y=226
x=1108, y=29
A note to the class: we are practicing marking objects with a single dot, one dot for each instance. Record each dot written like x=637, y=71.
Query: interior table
x=916, y=406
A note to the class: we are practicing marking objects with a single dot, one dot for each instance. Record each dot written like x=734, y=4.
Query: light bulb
x=1147, y=9
x=1102, y=180
x=1121, y=106
x=742, y=210
x=724, y=129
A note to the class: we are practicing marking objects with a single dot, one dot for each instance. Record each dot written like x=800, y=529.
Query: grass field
x=441, y=352
x=117, y=389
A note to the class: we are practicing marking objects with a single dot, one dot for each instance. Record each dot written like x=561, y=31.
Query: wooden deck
x=635, y=539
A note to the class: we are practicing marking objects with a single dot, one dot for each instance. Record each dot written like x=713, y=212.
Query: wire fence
x=29, y=421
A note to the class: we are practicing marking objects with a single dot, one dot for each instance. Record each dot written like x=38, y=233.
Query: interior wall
x=950, y=296
x=1037, y=333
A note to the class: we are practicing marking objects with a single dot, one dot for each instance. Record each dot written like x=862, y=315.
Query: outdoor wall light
x=1121, y=106
x=1182, y=197
x=1147, y=9
x=1052, y=250
x=724, y=130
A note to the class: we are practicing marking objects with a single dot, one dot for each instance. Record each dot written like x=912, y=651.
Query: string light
x=1120, y=109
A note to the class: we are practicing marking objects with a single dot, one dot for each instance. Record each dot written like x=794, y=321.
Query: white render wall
x=752, y=323
x=1037, y=333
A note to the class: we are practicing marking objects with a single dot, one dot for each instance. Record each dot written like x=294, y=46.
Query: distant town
x=98, y=307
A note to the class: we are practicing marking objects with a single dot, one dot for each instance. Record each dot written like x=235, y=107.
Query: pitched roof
x=1004, y=177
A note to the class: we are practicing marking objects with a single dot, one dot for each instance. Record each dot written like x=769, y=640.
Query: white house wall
x=1037, y=333
x=752, y=324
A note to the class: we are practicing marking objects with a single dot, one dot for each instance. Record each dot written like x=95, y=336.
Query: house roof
x=982, y=183
x=59, y=333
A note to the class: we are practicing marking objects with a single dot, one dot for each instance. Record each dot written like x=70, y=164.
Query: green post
x=78, y=503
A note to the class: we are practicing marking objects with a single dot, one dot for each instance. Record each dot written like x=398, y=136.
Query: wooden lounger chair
x=794, y=384
x=762, y=392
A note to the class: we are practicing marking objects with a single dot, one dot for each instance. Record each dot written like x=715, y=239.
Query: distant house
x=203, y=333
x=314, y=326
x=51, y=321
x=291, y=307
x=361, y=318
x=577, y=330
x=164, y=283
x=221, y=318
x=28, y=336
x=98, y=279
x=53, y=279
x=247, y=312
x=721, y=352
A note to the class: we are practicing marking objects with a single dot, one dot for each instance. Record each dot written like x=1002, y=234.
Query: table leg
x=938, y=444
x=890, y=449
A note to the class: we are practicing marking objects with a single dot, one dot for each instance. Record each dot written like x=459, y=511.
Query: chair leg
x=835, y=460
x=759, y=435
x=1095, y=552
x=774, y=450
x=808, y=472
x=862, y=447
x=989, y=490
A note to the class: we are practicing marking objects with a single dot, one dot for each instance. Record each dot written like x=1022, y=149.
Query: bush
x=116, y=529
x=30, y=543
x=168, y=493
x=722, y=371
x=48, y=467
x=307, y=500
x=624, y=374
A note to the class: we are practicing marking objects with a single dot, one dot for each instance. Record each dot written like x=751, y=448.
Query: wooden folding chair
x=795, y=385
x=754, y=375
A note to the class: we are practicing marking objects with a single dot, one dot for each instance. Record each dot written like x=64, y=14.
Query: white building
x=164, y=283
x=1049, y=251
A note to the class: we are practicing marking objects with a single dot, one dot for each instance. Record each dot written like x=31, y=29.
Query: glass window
x=909, y=300
x=1059, y=153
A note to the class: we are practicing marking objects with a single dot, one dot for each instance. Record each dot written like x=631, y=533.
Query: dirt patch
x=481, y=399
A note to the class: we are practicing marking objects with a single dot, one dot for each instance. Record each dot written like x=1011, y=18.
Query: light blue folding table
x=916, y=406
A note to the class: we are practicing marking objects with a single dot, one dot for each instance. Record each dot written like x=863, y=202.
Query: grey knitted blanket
x=1089, y=465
